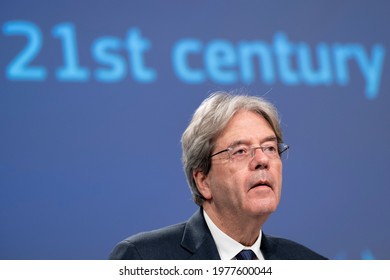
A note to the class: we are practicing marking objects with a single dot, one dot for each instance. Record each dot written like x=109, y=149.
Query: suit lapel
x=269, y=248
x=198, y=240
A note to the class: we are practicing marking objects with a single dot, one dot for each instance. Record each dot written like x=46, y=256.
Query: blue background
x=86, y=163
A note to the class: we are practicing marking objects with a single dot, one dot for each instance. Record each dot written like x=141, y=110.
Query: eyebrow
x=266, y=139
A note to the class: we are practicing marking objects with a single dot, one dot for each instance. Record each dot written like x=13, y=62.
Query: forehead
x=245, y=126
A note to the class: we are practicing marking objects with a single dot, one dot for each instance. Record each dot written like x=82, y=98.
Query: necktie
x=246, y=255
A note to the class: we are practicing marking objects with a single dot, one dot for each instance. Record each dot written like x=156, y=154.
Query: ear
x=202, y=183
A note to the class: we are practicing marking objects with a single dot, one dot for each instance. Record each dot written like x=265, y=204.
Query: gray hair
x=208, y=122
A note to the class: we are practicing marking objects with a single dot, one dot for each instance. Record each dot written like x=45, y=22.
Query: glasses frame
x=282, y=147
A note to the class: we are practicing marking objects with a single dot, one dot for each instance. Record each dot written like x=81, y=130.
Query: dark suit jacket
x=192, y=240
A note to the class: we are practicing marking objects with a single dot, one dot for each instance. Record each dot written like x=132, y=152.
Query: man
x=232, y=152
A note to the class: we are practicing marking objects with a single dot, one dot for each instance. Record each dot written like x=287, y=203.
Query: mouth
x=262, y=184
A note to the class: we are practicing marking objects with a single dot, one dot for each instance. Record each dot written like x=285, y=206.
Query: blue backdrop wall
x=94, y=96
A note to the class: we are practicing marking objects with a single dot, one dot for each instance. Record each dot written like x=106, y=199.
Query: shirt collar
x=227, y=247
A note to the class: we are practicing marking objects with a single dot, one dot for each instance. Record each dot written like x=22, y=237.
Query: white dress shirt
x=227, y=247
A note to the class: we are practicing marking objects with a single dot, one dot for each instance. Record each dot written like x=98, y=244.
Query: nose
x=260, y=160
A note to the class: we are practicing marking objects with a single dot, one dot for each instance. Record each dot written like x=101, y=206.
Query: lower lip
x=261, y=187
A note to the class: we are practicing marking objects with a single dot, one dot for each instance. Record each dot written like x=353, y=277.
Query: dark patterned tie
x=246, y=255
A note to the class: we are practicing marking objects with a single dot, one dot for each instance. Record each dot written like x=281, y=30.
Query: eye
x=240, y=150
x=272, y=149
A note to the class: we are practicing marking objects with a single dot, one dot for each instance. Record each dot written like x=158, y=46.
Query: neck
x=244, y=229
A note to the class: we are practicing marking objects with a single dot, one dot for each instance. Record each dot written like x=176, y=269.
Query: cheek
x=226, y=182
x=276, y=172
x=279, y=177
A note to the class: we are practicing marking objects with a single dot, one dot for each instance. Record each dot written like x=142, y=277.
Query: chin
x=267, y=208
x=263, y=210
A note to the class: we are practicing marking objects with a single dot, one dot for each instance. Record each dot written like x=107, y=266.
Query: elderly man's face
x=249, y=187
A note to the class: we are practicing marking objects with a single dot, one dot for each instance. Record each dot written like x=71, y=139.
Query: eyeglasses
x=242, y=152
